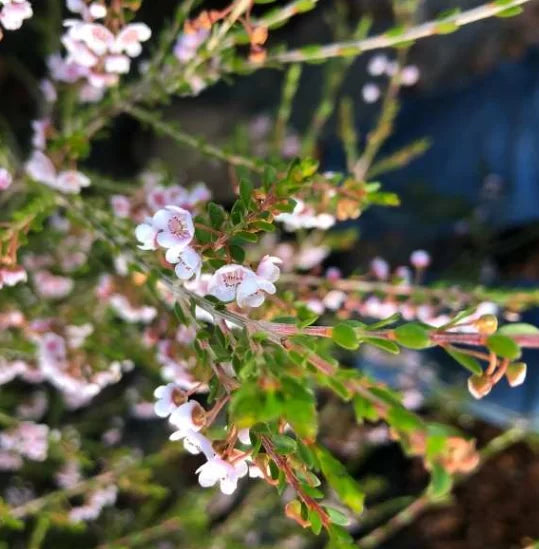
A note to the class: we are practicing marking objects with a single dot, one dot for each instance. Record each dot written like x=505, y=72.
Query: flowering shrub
x=144, y=300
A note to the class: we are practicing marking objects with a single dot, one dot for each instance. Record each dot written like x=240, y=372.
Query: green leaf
x=237, y=253
x=469, y=362
x=519, y=328
x=284, y=444
x=441, y=482
x=384, y=344
x=246, y=191
x=316, y=522
x=385, y=322
x=364, y=409
x=336, y=516
x=503, y=346
x=413, y=336
x=403, y=420
x=217, y=215
x=345, y=336
x=345, y=486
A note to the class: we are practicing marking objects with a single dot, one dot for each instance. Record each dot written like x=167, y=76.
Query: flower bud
x=516, y=373
x=479, y=386
x=486, y=324
x=259, y=35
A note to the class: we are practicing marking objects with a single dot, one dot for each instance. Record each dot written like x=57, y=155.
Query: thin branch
x=386, y=40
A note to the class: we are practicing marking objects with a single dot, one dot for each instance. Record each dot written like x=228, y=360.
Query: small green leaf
x=336, y=516
x=316, y=522
x=345, y=336
x=503, y=346
x=413, y=336
x=284, y=444
x=519, y=328
x=384, y=344
x=469, y=362
x=440, y=482
x=217, y=215
x=246, y=190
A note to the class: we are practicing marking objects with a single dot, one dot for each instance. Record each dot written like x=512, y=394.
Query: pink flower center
x=232, y=279
x=177, y=227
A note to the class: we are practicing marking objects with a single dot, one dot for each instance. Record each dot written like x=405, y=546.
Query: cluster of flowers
x=25, y=440
x=172, y=228
x=94, y=52
x=381, y=65
x=188, y=418
x=13, y=13
x=60, y=360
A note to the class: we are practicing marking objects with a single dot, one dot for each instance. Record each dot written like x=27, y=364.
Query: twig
x=386, y=40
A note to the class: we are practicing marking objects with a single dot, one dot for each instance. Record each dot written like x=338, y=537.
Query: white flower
x=12, y=275
x=188, y=262
x=39, y=137
x=48, y=90
x=13, y=14
x=175, y=226
x=235, y=281
x=169, y=398
x=5, y=179
x=117, y=64
x=97, y=11
x=370, y=92
x=190, y=416
x=187, y=44
x=97, y=37
x=129, y=38
x=251, y=292
x=377, y=65
x=268, y=268
x=120, y=205
x=243, y=436
x=217, y=470
x=196, y=443
x=420, y=259
x=40, y=168
x=334, y=299
x=79, y=53
x=146, y=233
x=409, y=75
x=71, y=181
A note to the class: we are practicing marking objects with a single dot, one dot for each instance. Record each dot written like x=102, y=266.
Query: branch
x=189, y=140
x=388, y=39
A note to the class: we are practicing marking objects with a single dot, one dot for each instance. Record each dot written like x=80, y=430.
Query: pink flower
x=252, y=291
x=377, y=65
x=225, y=281
x=188, y=262
x=420, y=259
x=13, y=14
x=175, y=226
x=40, y=168
x=71, y=181
x=380, y=268
x=129, y=38
x=370, y=92
x=268, y=268
x=146, y=234
x=5, y=179
x=120, y=205
x=409, y=75
x=97, y=37
x=52, y=286
x=12, y=275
